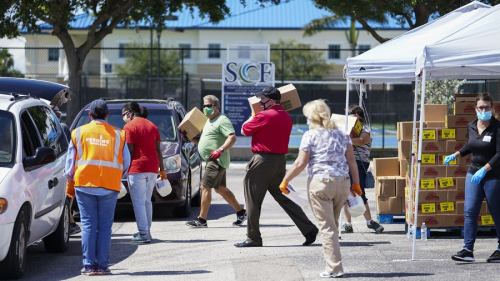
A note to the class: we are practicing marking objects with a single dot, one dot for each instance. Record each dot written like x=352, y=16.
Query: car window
x=50, y=130
x=7, y=138
x=163, y=119
x=30, y=137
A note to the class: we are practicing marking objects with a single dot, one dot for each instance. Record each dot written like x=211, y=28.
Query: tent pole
x=412, y=158
x=422, y=113
x=346, y=118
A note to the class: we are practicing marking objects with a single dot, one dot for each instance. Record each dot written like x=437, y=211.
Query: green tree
x=442, y=92
x=414, y=13
x=106, y=15
x=7, y=65
x=138, y=58
x=295, y=64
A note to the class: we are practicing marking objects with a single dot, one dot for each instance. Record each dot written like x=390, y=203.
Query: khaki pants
x=265, y=173
x=327, y=200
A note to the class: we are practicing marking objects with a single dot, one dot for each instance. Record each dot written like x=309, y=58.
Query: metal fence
x=189, y=74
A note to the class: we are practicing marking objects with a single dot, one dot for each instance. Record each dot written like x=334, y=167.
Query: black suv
x=181, y=159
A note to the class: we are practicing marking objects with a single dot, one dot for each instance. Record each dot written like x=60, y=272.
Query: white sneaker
x=326, y=274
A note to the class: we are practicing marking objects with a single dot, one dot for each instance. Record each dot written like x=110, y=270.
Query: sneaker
x=240, y=219
x=88, y=270
x=196, y=223
x=326, y=274
x=347, y=228
x=137, y=234
x=463, y=255
x=102, y=271
x=141, y=239
x=495, y=257
x=74, y=229
x=376, y=226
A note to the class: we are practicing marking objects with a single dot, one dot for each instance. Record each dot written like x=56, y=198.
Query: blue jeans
x=96, y=215
x=141, y=187
x=474, y=194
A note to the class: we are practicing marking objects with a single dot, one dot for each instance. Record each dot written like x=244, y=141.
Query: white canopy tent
x=467, y=47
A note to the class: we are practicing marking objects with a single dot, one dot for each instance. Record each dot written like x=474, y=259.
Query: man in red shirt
x=270, y=130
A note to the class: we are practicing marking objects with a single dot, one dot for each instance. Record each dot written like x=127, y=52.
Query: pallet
x=391, y=219
x=456, y=232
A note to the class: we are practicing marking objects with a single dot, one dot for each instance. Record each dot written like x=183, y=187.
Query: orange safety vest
x=99, y=155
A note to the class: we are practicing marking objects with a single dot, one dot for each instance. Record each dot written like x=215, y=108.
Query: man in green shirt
x=216, y=139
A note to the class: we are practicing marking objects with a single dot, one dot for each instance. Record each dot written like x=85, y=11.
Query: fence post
x=282, y=66
x=384, y=92
x=183, y=92
x=186, y=95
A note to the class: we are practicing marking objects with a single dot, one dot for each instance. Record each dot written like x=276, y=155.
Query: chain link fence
x=188, y=74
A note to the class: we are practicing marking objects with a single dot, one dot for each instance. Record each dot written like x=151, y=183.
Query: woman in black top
x=483, y=176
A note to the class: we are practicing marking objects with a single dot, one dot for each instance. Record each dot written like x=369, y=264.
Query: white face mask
x=126, y=119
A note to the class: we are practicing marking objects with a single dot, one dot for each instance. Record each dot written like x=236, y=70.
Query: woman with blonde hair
x=328, y=153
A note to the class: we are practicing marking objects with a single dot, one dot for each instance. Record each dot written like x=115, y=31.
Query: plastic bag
x=163, y=187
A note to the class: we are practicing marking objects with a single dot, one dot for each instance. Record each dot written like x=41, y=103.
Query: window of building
x=186, y=50
x=334, y=52
x=214, y=51
x=244, y=52
x=363, y=48
x=53, y=54
x=121, y=53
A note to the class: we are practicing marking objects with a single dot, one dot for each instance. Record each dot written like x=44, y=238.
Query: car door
x=46, y=192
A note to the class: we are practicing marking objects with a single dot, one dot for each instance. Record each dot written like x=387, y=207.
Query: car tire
x=57, y=242
x=12, y=267
x=184, y=211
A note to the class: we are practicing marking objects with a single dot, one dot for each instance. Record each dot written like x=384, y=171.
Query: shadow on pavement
x=190, y=241
x=166, y=272
x=385, y=275
x=361, y=244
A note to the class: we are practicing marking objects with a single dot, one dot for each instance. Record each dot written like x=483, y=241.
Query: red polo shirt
x=270, y=130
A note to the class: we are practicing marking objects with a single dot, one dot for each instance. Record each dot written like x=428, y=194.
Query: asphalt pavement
x=181, y=253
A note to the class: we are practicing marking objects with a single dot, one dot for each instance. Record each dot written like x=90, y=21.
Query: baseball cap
x=98, y=107
x=269, y=92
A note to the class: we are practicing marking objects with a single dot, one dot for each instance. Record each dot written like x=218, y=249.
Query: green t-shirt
x=213, y=136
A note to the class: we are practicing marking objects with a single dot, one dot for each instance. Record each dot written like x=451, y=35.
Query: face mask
x=208, y=111
x=263, y=104
x=308, y=123
x=484, y=115
x=126, y=119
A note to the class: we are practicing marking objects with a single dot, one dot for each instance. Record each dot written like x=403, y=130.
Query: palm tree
x=7, y=65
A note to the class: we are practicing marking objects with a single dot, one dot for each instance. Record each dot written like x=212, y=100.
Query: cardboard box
x=446, y=207
x=465, y=97
x=446, y=134
x=459, y=121
x=434, y=124
x=460, y=183
x=446, y=183
x=403, y=163
x=456, y=195
x=431, y=171
x=433, y=146
x=353, y=124
x=427, y=134
x=430, y=220
x=389, y=205
x=404, y=149
x=429, y=159
x=453, y=145
x=456, y=171
x=461, y=134
x=485, y=220
x=430, y=196
x=459, y=206
x=496, y=106
x=464, y=108
x=456, y=219
x=386, y=186
x=385, y=166
x=435, y=112
x=405, y=130
x=400, y=186
x=289, y=97
x=464, y=161
x=193, y=123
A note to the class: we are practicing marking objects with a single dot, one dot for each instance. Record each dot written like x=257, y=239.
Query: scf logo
x=249, y=73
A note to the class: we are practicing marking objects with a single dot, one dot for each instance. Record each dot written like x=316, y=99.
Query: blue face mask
x=484, y=115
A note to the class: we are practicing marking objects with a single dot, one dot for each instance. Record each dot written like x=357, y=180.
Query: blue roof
x=294, y=14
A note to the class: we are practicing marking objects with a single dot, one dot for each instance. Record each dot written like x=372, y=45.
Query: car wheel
x=57, y=242
x=184, y=211
x=196, y=201
x=12, y=267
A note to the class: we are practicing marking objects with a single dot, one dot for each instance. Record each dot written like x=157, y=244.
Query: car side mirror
x=43, y=155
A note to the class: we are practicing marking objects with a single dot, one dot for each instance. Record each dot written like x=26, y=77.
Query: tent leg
x=346, y=117
x=412, y=158
x=422, y=113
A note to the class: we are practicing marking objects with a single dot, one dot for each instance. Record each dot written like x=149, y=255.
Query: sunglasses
x=208, y=105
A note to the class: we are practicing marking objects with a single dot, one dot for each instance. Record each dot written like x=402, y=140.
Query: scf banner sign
x=247, y=77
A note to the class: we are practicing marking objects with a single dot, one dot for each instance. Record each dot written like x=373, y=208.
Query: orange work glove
x=356, y=188
x=70, y=188
x=283, y=187
x=163, y=175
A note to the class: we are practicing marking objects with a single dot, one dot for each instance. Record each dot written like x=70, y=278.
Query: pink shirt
x=270, y=130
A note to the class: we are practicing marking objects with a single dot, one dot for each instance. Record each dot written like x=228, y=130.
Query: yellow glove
x=70, y=188
x=356, y=188
x=163, y=175
x=283, y=187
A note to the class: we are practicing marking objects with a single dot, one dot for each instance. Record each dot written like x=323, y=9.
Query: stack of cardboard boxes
x=442, y=188
x=389, y=186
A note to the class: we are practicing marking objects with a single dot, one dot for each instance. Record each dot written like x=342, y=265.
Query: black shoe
x=74, y=228
x=463, y=255
x=495, y=257
x=247, y=244
x=240, y=219
x=311, y=236
x=196, y=223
